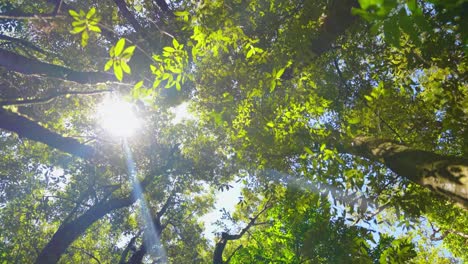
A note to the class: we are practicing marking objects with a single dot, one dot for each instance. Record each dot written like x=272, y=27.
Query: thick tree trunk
x=29, y=129
x=445, y=175
x=68, y=232
x=18, y=63
x=338, y=19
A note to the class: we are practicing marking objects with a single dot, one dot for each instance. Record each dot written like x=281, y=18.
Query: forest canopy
x=342, y=123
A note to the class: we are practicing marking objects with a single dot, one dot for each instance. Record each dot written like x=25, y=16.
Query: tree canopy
x=344, y=122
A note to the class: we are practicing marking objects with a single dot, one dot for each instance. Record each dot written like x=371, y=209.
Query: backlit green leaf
x=119, y=47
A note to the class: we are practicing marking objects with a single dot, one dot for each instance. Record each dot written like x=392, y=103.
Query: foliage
x=333, y=117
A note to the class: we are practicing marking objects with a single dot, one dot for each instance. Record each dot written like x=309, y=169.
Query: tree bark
x=129, y=16
x=445, y=175
x=18, y=63
x=29, y=129
x=68, y=232
x=337, y=21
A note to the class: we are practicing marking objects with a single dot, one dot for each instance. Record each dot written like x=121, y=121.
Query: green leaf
x=272, y=85
x=169, y=49
x=128, y=52
x=250, y=53
x=138, y=85
x=354, y=120
x=178, y=87
x=280, y=73
x=308, y=150
x=365, y=4
x=368, y=98
x=84, y=38
x=74, y=14
x=108, y=65
x=181, y=13
x=78, y=30
x=412, y=5
x=90, y=13
x=270, y=124
x=175, y=43
x=125, y=67
x=156, y=82
x=118, y=71
x=94, y=28
x=119, y=46
x=79, y=23
x=322, y=147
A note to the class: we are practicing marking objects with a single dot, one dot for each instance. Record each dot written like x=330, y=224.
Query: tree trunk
x=69, y=232
x=338, y=19
x=445, y=175
x=29, y=129
x=18, y=63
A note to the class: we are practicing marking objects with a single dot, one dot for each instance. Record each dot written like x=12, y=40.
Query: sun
x=117, y=117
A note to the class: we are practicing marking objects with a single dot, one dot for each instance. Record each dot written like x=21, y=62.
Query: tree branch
x=23, y=42
x=23, y=16
x=337, y=21
x=442, y=174
x=129, y=16
x=18, y=63
x=163, y=5
x=68, y=232
x=130, y=246
x=51, y=97
x=29, y=129
x=225, y=237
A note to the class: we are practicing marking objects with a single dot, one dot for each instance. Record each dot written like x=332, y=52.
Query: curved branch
x=22, y=42
x=68, y=232
x=18, y=63
x=51, y=97
x=225, y=237
x=29, y=129
x=129, y=16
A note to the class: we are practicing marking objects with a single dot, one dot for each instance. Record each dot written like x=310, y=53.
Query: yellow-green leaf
x=90, y=13
x=74, y=14
x=84, y=38
x=175, y=43
x=118, y=71
x=119, y=46
x=108, y=65
x=78, y=23
x=77, y=30
x=128, y=52
x=308, y=150
x=125, y=67
x=138, y=85
x=94, y=28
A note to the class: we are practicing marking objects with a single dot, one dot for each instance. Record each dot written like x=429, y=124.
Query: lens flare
x=117, y=117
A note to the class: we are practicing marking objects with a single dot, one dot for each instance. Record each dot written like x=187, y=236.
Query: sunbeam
x=151, y=239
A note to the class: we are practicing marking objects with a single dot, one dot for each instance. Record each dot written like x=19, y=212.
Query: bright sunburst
x=117, y=117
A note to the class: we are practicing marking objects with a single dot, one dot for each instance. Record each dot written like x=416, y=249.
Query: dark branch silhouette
x=29, y=129
x=51, y=97
x=18, y=63
x=226, y=237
